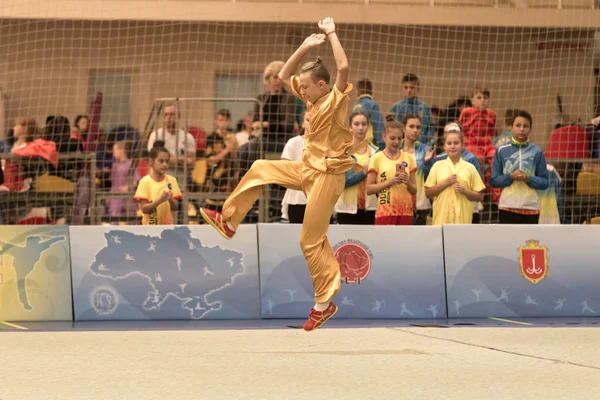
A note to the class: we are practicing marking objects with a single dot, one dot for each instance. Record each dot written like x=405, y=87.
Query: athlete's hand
x=327, y=25
x=314, y=40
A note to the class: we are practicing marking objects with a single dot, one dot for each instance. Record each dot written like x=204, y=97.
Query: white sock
x=229, y=225
x=321, y=306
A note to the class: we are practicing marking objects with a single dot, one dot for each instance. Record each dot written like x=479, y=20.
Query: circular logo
x=354, y=260
x=169, y=186
x=104, y=301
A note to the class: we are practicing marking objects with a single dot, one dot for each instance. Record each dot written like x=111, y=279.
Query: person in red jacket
x=479, y=125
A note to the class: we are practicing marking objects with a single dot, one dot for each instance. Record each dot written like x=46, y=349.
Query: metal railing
x=577, y=207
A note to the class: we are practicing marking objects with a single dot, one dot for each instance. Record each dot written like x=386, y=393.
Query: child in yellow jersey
x=392, y=177
x=320, y=175
x=453, y=183
x=354, y=207
x=157, y=192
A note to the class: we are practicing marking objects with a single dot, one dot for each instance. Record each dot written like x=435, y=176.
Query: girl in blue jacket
x=519, y=169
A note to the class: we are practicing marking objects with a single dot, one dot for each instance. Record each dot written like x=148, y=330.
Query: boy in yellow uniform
x=454, y=183
x=158, y=194
x=320, y=175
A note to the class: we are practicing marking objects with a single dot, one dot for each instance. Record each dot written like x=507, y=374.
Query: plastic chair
x=52, y=183
x=588, y=183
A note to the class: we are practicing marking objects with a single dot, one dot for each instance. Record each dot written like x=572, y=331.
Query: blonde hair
x=317, y=70
x=454, y=128
x=273, y=68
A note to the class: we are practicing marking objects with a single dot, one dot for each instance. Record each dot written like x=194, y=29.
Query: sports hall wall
x=60, y=273
x=182, y=59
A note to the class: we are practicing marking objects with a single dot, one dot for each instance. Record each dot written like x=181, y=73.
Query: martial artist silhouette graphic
x=24, y=260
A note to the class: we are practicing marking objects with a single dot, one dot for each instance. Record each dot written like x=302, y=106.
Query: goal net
x=86, y=91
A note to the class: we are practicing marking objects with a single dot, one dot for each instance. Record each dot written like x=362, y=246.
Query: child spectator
x=20, y=134
x=520, y=170
x=80, y=130
x=412, y=105
x=501, y=139
x=423, y=154
x=392, y=177
x=507, y=134
x=220, y=158
x=158, y=193
x=453, y=183
x=244, y=129
x=293, y=204
x=181, y=145
x=20, y=174
x=222, y=135
x=479, y=125
x=367, y=105
x=470, y=158
x=354, y=207
x=119, y=178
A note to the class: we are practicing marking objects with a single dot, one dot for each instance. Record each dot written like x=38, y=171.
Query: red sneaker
x=215, y=218
x=318, y=318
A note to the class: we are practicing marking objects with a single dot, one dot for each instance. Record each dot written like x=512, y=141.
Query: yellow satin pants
x=322, y=191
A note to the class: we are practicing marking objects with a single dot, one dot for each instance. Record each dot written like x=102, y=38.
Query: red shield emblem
x=354, y=260
x=533, y=261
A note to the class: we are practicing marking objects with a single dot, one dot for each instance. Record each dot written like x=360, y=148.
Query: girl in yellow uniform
x=320, y=175
x=453, y=183
x=392, y=178
x=354, y=206
x=157, y=192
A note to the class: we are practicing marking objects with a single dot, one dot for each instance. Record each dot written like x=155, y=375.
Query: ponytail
x=317, y=70
x=158, y=147
x=392, y=123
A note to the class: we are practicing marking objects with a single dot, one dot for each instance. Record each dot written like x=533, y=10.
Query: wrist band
x=329, y=33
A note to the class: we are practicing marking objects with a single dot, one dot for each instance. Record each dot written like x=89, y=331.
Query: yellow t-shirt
x=150, y=190
x=450, y=207
x=395, y=201
x=329, y=142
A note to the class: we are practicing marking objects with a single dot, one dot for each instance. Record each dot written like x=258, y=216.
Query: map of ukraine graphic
x=175, y=264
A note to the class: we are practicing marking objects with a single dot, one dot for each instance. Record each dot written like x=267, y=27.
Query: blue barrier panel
x=522, y=271
x=35, y=273
x=159, y=272
x=400, y=270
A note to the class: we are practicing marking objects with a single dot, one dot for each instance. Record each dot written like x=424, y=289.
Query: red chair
x=568, y=142
x=143, y=168
x=199, y=135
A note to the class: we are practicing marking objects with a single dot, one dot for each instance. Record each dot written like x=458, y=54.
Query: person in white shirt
x=245, y=130
x=293, y=204
x=181, y=145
